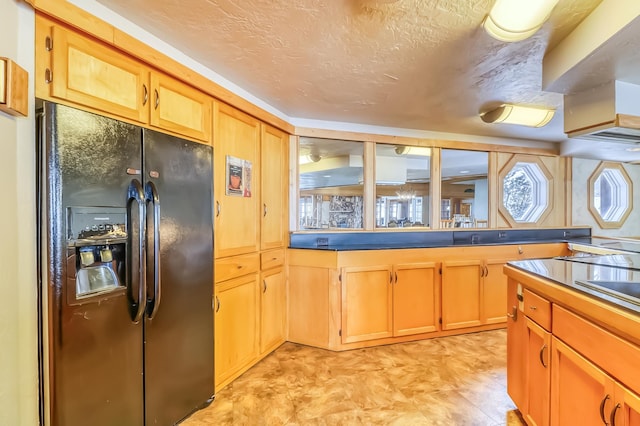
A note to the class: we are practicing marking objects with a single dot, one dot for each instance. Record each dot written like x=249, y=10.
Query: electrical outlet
x=320, y=242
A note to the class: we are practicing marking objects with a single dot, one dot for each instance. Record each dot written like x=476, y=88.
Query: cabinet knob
x=514, y=314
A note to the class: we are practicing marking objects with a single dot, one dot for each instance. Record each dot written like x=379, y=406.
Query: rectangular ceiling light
x=515, y=20
x=517, y=114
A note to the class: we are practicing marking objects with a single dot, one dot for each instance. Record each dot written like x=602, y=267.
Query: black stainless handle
x=602, y=404
x=217, y=208
x=264, y=209
x=542, y=355
x=135, y=194
x=151, y=196
x=612, y=417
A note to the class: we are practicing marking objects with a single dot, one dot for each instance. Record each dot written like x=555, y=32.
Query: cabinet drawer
x=613, y=354
x=538, y=309
x=271, y=259
x=236, y=266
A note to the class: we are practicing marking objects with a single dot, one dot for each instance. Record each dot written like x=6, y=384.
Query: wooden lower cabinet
x=538, y=366
x=236, y=326
x=516, y=346
x=461, y=293
x=415, y=298
x=367, y=309
x=273, y=309
x=494, y=292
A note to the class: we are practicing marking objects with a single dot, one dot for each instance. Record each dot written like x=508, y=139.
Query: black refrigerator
x=126, y=268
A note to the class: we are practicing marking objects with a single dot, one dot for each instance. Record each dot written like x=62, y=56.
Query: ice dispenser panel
x=97, y=247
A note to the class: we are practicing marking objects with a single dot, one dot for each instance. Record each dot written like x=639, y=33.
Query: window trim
x=608, y=224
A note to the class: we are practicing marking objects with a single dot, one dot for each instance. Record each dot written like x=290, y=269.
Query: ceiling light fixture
x=517, y=114
x=515, y=20
x=310, y=158
x=413, y=150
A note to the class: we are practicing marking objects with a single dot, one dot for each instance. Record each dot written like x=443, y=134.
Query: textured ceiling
x=410, y=64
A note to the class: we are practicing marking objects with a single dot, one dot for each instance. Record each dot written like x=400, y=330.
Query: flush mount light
x=515, y=20
x=413, y=150
x=517, y=114
x=310, y=158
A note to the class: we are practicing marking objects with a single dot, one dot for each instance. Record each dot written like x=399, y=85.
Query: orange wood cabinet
x=275, y=169
x=236, y=326
x=388, y=300
x=75, y=69
x=564, y=369
x=273, y=309
x=237, y=220
x=474, y=292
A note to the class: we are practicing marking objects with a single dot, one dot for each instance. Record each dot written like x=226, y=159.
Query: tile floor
x=459, y=380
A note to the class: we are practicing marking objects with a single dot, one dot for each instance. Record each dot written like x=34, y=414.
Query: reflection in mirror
x=402, y=186
x=464, y=189
x=330, y=184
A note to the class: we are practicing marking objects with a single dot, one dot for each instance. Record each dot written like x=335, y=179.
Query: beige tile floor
x=459, y=380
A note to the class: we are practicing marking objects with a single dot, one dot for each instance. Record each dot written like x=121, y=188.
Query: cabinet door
x=180, y=108
x=274, y=187
x=236, y=326
x=461, y=294
x=494, y=292
x=626, y=410
x=582, y=393
x=538, y=374
x=516, y=347
x=237, y=224
x=366, y=303
x=272, y=310
x=414, y=299
x=92, y=74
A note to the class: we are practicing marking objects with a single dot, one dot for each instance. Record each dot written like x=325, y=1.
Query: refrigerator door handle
x=135, y=194
x=151, y=196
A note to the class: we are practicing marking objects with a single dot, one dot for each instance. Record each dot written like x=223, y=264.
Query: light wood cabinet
x=274, y=165
x=180, y=108
x=516, y=345
x=474, y=292
x=538, y=358
x=237, y=222
x=236, y=326
x=461, y=293
x=273, y=309
x=90, y=73
x=415, y=298
x=366, y=303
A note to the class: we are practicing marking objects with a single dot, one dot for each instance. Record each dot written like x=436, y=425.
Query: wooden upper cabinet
x=179, y=108
x=236, y=140
x=90, y=73
x=273, y=187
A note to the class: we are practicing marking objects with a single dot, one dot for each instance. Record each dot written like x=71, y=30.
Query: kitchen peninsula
x=359, y=289
x=574, y=338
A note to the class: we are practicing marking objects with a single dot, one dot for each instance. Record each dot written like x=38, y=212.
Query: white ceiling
x=406, y=64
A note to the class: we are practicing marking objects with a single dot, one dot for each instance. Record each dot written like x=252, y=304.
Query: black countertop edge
x=344, y=241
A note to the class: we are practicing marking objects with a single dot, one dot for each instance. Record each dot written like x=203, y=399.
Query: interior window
x=330, y=184
x=610, y=190
x=402, y=186
x=525, y=190
x=464, y=189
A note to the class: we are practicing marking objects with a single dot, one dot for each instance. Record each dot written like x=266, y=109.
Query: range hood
x=610, y=113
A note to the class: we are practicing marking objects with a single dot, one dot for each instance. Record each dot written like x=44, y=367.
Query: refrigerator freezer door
x=179, y=337
x=95, y=370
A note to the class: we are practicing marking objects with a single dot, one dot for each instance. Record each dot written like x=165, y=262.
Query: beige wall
x=18, y=334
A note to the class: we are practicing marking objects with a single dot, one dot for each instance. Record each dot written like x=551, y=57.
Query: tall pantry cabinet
x=250, y=184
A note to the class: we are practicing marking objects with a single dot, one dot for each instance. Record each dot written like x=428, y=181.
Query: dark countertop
x=343, y=241
x=614, y=278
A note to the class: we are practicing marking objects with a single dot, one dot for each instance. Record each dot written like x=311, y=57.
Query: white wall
x=582, y=170
x=18, y=333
